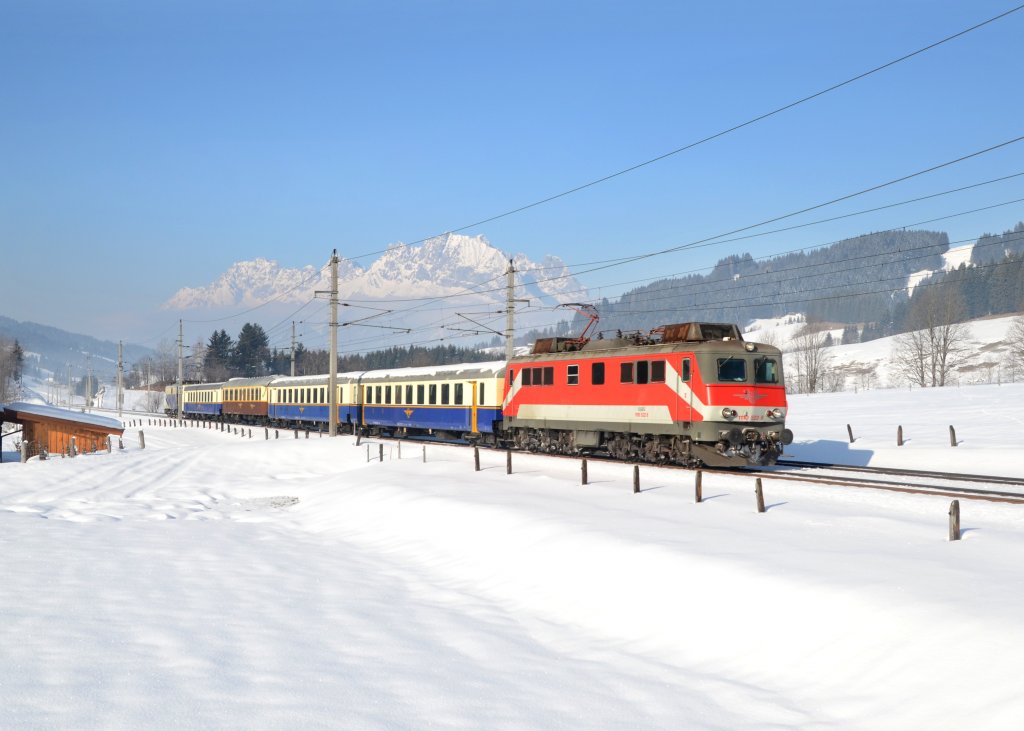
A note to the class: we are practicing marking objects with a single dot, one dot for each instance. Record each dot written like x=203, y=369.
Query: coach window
x=433, y=393
x=419, y=394
x=446, y=390
x=377, y=397
x=732, y=370
x=408, y=394
x=626, y=373
x=387, y=394
x=526, y=377
x=643, y=371
x=458, y=394
x=766, y=370
x=573, y=375
x=657, y=371
x=597, y=374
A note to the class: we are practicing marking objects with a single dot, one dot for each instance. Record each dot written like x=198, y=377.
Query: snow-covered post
x=954, y=520
x=142, y=440
x=636, y=479
x=760, y=495
x=952, y=436
x=697, y=488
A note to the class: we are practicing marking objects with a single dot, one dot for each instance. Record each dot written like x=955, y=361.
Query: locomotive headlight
x=729, y=413
x=750, y=347
x=776, y=413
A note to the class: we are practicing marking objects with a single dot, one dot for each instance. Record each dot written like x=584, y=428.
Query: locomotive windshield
x=732, y=370
x=766, y=370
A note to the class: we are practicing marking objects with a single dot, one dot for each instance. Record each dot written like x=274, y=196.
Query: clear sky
x=146, y=146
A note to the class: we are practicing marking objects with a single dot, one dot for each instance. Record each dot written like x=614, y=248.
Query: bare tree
x=1015, y=338
x=812, y=361
x=928, y=355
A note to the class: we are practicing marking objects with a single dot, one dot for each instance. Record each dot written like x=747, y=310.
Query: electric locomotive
x=691, y=394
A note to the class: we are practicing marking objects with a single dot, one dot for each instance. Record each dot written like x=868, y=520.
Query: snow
x=217, y=581
x=52, y=412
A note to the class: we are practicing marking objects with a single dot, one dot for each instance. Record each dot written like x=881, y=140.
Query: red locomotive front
x=698, y=394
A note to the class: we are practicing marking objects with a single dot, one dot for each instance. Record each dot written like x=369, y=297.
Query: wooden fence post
x=367, y=452
x=424, y=454
x=24, y=451
x=142, y=440
x=380, y=454
x=849, y=430
x=266, y=433
x=899, y=436
x=583, y=471
x=508, y=461
x=954, y=520
x=120, y=443
x=636, y=479
x=760, y=495
x=952, y=436
x=697, y=489
x=476, y=459
x=74, y=446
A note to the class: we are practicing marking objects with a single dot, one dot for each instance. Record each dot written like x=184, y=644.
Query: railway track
x=906, y=481
x=925, y=482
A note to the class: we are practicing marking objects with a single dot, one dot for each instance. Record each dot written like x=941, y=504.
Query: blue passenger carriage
x=203, y=400
x=447, y=401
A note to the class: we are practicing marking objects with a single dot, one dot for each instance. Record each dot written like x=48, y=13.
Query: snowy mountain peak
x=444, y=265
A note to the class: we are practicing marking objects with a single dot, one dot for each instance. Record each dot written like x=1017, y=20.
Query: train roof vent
x=556, y=345
x=697, y=332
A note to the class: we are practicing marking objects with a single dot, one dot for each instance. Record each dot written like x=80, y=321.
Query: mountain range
x=442, y=266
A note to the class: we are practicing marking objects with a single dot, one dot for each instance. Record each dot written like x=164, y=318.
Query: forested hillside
x=856, y=280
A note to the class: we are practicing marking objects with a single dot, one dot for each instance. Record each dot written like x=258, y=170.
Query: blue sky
x=147, y=146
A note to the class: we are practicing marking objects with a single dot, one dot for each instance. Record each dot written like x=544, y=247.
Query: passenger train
x=691, y=394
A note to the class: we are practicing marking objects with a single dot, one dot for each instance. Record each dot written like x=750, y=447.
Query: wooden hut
x=51, y=429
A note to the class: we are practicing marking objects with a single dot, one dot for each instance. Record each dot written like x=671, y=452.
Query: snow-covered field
x=213, y=581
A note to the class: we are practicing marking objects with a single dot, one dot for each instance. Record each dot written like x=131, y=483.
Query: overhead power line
x=714, y=136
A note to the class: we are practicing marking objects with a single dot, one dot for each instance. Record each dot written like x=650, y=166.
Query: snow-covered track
x=943, y=484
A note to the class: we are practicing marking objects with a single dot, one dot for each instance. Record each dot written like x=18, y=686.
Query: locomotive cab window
x=626, y=373
x=766, y=370
x=526, y=377
x=657, y=371
x=572, y=376
x=732, y=370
